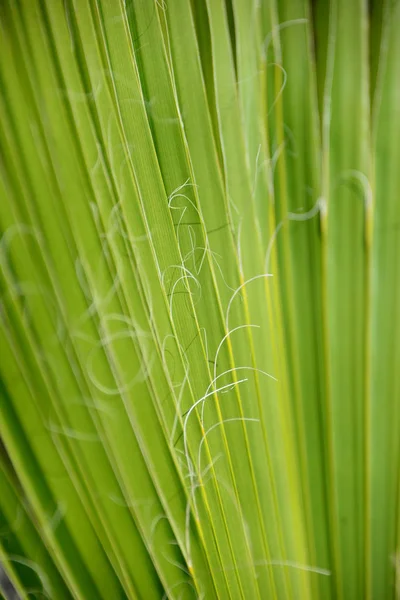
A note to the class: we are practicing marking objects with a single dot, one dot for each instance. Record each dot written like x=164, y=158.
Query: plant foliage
x=200, y=291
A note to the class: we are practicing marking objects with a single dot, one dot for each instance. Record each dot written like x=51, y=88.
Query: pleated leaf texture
x=200, y=299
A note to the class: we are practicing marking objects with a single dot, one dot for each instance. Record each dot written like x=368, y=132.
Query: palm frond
x=200, y=290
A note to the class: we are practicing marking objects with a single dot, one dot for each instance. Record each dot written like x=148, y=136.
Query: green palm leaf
x=200, y=288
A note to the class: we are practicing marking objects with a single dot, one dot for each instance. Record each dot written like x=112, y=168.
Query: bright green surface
x=200, y=287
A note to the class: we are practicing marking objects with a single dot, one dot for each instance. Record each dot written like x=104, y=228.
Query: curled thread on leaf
x=30, y=564
x=293, y=565
x=291, y=216
x=187, y=582
x=197, y=403
x=271, y=37
x=237, y=291
x=74, y=434
x=215, y=426
x=140, y=376
x=57, y=516
x=230, y=386
x=225, y=338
